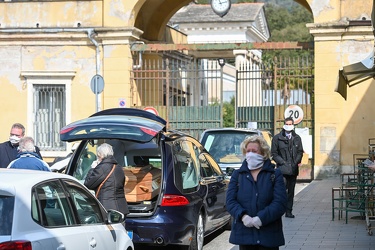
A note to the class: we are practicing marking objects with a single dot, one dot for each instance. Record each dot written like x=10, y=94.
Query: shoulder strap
x=106, y=178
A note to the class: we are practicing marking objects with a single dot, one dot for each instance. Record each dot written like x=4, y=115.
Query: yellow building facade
x=66, y=43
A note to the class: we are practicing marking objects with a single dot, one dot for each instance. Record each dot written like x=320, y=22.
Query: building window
x=49, y=109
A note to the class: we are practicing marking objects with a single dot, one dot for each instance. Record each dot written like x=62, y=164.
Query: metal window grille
x=49, y=112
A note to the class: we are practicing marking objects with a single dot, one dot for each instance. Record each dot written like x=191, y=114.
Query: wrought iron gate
x=185, y=91
x=265, y=91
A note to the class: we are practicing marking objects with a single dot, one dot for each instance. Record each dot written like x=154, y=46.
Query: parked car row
x=174, y=187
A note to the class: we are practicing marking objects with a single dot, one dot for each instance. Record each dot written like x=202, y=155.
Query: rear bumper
x=160, y=230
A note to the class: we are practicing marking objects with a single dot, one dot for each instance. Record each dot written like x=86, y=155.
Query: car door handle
x=61, y=246
x=93, y=243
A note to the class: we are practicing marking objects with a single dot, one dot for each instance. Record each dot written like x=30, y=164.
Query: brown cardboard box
x=141, y=183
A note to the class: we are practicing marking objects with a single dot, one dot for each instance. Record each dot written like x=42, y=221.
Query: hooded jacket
x=287, y=152
x=265, y=198
x=111, y=195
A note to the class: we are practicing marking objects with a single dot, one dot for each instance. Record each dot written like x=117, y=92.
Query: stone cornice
x=343, y=30
x=68, y=36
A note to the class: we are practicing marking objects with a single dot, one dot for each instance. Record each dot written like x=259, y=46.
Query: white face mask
x=288, y=127
x=254, y=160
x=14, y=139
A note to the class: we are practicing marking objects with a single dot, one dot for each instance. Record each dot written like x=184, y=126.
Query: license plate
x=130, y=234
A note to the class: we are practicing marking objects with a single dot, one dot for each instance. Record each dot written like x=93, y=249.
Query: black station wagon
x=174, y=188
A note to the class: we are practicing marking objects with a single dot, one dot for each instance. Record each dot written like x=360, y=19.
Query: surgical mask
x=14, y=139
x=288, y=127
x=254, y=160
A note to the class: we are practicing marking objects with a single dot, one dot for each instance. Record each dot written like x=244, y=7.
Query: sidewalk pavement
x=313, y=228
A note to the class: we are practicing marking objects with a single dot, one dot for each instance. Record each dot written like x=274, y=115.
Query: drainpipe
x=90, y=34
x=139, y=65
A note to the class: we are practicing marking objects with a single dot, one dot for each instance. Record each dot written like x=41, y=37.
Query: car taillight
x=67, y=130
x=16, y=245
x=149, y=131
x=174, y=200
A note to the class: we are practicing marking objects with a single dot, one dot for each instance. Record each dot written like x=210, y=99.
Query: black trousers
x=257, y=247
x=290, y=184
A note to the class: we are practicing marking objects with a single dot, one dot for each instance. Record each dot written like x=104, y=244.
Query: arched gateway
x=50, y=51
x=342, y=35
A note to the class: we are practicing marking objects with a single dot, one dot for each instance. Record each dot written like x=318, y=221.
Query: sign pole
x=96, y=95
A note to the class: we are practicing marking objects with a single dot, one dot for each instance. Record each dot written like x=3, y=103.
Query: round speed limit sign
x=295, y=112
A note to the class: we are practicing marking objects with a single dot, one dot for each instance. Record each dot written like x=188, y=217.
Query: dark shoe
x=289, y=215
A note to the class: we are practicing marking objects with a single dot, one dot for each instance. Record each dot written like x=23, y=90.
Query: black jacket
x=112, y=194
x=8, y=153
x=287, y=153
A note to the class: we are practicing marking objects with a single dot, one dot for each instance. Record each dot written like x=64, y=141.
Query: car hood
x=130, y=124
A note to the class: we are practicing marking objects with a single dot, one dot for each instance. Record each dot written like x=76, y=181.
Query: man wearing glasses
x=9, y=149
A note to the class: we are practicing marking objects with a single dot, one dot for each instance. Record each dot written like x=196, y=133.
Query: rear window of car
x=6, y=214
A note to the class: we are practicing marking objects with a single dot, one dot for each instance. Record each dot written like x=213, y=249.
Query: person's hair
x=19, y=126
x=26, y=144
x=104, y=150
x=263, y=146
x=288, y=119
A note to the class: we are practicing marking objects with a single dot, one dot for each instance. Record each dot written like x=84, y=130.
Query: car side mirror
x=229, y=171
x=114, y=216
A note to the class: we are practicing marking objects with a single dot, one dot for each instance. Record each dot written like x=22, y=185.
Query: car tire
x=198, y=236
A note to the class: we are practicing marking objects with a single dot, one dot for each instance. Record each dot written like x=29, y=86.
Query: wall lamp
x=221, y=62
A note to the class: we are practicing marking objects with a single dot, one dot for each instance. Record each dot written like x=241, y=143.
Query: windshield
x=224, y=146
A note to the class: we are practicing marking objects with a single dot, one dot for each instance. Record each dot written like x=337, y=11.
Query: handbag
x=106, y=178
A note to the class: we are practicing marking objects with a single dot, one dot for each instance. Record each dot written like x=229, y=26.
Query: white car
x=46, y=210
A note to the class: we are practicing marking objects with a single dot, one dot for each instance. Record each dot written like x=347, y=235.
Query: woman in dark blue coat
x=256, y=199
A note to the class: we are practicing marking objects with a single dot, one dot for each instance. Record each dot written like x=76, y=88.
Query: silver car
x=45, y=210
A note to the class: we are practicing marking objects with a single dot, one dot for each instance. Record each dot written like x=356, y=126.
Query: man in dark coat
x=9, y=149
x=287, y=152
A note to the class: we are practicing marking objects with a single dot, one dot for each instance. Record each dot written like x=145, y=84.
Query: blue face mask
x=254, y=160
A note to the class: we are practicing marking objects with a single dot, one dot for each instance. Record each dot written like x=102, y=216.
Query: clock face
x=220, y=7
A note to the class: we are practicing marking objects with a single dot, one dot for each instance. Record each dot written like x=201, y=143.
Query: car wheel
x=198, y=237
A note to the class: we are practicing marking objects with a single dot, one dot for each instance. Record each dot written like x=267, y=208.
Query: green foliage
x=228, y=113
x=288, y=25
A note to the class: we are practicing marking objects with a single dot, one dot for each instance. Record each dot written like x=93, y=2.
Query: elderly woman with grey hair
x=107, y=178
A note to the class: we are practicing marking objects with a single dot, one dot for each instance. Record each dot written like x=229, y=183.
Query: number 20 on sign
x=295, y=112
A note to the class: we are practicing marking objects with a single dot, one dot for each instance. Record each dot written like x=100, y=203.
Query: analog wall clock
x=220, y=7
